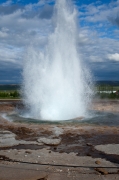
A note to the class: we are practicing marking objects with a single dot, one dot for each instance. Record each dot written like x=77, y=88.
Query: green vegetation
x=9, y=94
x=102, y=90
x=9, y=91
x=108, y=95
x=107, y=91
x=105, y=87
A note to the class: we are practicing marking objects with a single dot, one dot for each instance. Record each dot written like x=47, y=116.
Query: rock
x=57, y=131
x=78, y=118
x=108, y=148
x=88, y=154
x=7, y=138
x=28, y=152
x=88, y=144
x=101, y=170
x=44, y=178
x=49, y=141
x=97, y=162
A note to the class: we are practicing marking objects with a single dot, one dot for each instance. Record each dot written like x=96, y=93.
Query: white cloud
x=114, y=57
x=3, y=34
x=43, y=2
x=10, y=55
x=7, y=3
x=94, y=13
x=95, y=50
x=19, y=28
x=32, y=23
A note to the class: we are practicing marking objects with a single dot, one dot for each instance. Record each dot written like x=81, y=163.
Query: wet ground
x=57, y=151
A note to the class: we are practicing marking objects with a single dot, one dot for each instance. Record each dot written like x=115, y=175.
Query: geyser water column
x=55, y=85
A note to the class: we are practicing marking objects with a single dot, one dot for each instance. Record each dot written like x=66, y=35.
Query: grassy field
x=107, y=91
x=106, y=88
x=13, y=91
x=9, y=91
x=12, y=94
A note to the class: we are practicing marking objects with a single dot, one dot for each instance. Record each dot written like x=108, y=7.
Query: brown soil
x=106, y=105
x=79, y=139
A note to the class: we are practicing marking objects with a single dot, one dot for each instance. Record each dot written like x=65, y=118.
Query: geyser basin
x=56, y=84
x=96, y=118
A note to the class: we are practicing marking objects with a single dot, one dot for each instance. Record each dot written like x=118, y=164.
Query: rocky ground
x=56, y=152
x=106, y=105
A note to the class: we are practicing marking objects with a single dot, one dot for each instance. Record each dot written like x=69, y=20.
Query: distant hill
x=112, y=83
x=9, y=87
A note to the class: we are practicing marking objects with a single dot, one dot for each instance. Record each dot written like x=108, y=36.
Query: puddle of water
x=95, y=118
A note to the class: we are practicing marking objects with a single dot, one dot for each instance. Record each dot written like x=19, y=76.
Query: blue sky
x=22, y=21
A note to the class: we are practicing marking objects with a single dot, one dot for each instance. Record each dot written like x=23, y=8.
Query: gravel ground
x=34, y=152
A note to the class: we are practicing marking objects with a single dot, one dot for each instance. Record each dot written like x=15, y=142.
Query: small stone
x=88, y=144
x=101, y=170
x=28, y=152
x=50, y=141
x=59, y=170
x=44, y=178
x=97, y=162
x=88, y=154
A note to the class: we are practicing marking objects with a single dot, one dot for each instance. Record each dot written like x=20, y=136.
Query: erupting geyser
x=55, y=82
